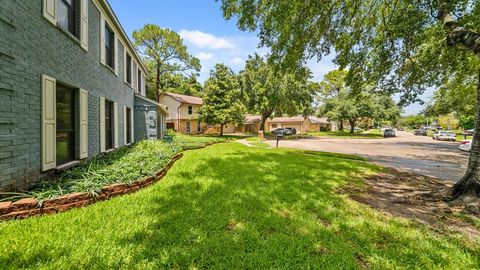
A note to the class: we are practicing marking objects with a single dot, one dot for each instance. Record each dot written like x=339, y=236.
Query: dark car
x=294, y=130
x=282, y=132
x=420, y=132
x=388, y=133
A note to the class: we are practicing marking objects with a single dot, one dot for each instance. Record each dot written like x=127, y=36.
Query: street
x=416, y=154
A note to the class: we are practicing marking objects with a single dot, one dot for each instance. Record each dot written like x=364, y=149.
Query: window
x=190, y=110
x=67, y=15
x=274, y=125
x=109, y=47
x=65, y=135
x=129, y=125
x=108, y=124
x=187, y=127
x=139, y=81
x=128, y=69
x=199, y=127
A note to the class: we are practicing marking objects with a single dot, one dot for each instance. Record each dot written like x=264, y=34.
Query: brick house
x=302, y=124
x=71, y=87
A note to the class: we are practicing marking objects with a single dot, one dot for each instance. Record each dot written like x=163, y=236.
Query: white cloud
x=203, y=56
x=237, y=61
x=206, y=40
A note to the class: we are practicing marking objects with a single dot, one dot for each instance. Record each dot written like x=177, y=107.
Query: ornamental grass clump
x=125, y=165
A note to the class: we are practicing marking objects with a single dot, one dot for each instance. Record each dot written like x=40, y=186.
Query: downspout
x=178, y=117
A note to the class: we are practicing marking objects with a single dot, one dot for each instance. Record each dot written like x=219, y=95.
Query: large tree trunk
x=221, y=130
x=460, y=36
x=265, y=115
x=341, y=128
x=352, y=126
x=470, y=183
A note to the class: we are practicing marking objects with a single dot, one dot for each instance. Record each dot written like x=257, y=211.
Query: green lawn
x=369, y=134
x=229, y=206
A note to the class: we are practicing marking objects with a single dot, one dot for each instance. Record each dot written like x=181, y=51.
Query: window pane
x=65, y=138
x=67, y=15
x=109, y=47
x=129, y=126
x=108, y=125
x=129, y=68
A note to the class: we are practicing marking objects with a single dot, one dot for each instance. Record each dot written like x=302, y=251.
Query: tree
x=222, y=99
x=164, y=52
x=267, y=92
x=401, y=46
x=333, y=84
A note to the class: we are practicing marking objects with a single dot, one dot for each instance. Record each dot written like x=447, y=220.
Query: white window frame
x=190, y=110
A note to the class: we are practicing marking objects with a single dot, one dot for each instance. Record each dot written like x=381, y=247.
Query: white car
x=445, y=136
x=466, y=145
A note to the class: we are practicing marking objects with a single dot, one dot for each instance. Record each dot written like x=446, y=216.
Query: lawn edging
x=29, y=207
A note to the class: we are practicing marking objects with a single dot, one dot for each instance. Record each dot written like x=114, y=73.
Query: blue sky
x=206, y=33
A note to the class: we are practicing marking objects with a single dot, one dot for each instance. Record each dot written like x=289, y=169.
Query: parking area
x=417, y=154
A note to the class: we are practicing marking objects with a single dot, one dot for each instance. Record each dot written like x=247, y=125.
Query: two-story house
x=71, y=87
x=183, y=113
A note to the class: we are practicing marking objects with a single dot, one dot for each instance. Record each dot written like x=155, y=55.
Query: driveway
x=417, y=154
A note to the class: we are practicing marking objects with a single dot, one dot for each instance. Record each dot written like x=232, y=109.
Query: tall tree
x=333, y=84
x=402, y=46
x=164, y=52
x=222, y=98
x=268, y=92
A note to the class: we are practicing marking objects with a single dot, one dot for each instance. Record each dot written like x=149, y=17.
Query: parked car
x=445, y=136
x=469, y=132
x=420, y=132
x=388, y=133
x=465, y=145
x=282, y=132
x=401, y=129
x=294, y=130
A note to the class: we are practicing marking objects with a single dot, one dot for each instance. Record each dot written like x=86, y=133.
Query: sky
x=208, y=35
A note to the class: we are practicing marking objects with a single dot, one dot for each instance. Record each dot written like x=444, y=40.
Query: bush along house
x=71, y=87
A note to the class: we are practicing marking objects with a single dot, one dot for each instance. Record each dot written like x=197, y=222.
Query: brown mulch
x=421, y=198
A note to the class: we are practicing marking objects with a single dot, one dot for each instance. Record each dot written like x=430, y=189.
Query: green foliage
x=413, y=122
x=341, y=102
x=124, y=165
x=229, y=206
x=400, y=46
x=268, y=92
x=466, y=122
x=222, y=98
x=164, y=54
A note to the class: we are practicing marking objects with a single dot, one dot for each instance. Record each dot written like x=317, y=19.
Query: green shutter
x=49, y=119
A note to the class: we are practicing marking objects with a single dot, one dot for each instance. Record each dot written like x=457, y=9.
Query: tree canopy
x=268, y=92
x=222, y=98
x=164, y=54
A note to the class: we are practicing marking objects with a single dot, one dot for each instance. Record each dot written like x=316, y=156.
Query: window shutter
x=116, y=54
x=83, y=124
x=102, y=124
x=125, y=125
x=143, y=91
x=84, y=24
x=124, y=64
x=115, y=125
x=134, y=76
x=50, y=10
x=102, y=39
x=49, y=126
x=132, y=126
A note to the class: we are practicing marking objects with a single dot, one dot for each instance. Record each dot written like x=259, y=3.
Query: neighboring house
x=183, y=113
x=300, y=123
x=71, y=87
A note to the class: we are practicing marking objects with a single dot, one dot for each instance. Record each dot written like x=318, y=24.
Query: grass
x=260, y=144
x=253, y=139
x=370, y=134
x=229, y=206
x=124, y=165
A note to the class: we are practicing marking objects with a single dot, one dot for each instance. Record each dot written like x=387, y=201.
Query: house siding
x=29, y=47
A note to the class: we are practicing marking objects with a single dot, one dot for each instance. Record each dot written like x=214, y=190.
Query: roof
x=317, y=120
x=185, y=99
x=291, y=119
x=251, y=119
x=162, y=107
